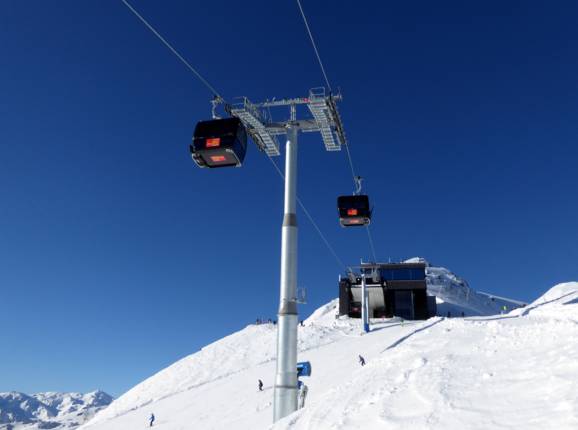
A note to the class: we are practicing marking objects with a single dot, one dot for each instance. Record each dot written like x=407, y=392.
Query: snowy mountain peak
x=455, y=296
x=50, y=409
x=67, y=403
x=18, y=407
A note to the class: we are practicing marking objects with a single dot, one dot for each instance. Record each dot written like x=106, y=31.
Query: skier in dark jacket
x=260, y=385
x=361, y=361
x=151, y=420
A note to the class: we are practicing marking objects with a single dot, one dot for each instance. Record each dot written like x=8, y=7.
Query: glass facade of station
x=414, y=274
x=394, y=289
x=404, y=274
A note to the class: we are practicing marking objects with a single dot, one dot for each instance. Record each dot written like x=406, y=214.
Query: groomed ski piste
x=491, y=371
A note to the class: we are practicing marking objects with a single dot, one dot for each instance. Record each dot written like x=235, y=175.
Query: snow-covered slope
x=506, y=371
x=49, y=410
x=239, y=359
x=455, y=296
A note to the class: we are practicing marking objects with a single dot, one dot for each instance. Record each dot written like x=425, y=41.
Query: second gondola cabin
x=219, y=143
x=354, y=211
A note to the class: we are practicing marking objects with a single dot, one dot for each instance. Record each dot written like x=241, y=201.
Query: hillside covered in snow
x=510, y=371
x=455, y=296
x=51, y=410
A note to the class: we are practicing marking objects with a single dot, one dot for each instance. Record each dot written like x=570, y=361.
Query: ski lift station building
x=393, y=289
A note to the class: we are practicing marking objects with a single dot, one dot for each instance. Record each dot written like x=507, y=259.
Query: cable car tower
x=218, y=144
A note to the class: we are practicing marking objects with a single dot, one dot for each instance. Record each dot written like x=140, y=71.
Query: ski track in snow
x=513, y=371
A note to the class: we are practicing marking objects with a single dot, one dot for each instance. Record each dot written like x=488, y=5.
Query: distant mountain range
x=50, y=410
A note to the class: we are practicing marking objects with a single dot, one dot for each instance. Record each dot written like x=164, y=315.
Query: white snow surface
x=511, y=371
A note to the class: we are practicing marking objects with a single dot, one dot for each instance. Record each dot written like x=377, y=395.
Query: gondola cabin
x=219, y=143
x=354, y=211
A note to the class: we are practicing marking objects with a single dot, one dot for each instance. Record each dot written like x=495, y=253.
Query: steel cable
x=354, y=176
x=216, y=94
x=339, y=261
x=314, y=45
x=173, y=50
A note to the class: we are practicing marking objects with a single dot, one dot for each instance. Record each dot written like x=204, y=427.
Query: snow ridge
x=455, y=296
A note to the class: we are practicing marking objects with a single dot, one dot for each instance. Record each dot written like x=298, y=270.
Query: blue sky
x=119, y=256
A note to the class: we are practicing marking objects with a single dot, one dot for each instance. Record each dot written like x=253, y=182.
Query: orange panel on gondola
x=213, y=142
x=354, y=211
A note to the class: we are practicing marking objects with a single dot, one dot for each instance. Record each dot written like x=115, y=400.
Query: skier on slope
x=361, y=361
x=151, y=420
x=260, y=385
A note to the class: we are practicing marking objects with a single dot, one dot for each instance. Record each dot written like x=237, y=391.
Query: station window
x=414, y=274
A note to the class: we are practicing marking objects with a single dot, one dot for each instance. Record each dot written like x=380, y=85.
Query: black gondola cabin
x=354, y=210
x=219, y=143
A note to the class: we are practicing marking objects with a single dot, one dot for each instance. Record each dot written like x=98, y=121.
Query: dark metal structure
x=394, y=289
x=219, y=143
x=354, y=210
x=223, y=143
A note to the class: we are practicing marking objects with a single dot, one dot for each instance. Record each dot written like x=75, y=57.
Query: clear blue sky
x=118, y=255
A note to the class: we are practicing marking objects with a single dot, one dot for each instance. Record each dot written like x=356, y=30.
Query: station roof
x=393, y=265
